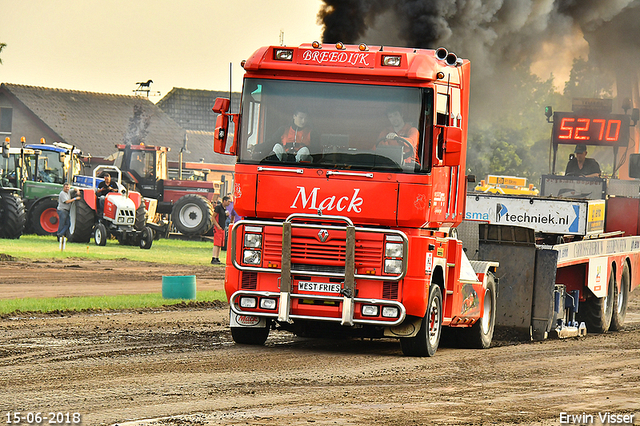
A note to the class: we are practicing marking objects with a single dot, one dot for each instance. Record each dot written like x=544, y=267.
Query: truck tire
x=141, y=217
x=12, y=216
x=480, y=334
x=82, y=219
x=425, y=343
x=192, y=215
x=100, y=235
x=44, y=217
x=620, y=300
x=596, y=312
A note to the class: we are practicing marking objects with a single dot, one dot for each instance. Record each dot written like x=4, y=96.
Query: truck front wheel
x=426, y=342
x=250, y=335
x=596, y=312
x=620, y=301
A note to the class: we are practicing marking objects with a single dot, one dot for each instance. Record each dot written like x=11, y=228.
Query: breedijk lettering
x=332, y=202
x=351, y=58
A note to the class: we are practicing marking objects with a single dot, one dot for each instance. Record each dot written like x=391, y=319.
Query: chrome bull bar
x=236, y=309
x=349, y=276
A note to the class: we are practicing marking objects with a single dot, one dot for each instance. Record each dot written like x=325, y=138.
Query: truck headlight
x=252, y=240
x=248, y=302
x=370, y=310
x=390, y=312
x=251, y=257
x=266, y=303
x=393, y=266
x=393, y=250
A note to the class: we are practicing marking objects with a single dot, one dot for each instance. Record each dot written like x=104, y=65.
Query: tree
x=588, y=80
x=508, y=133
x=2, y=46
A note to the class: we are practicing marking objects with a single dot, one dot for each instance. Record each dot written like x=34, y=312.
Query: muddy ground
x=178, y=366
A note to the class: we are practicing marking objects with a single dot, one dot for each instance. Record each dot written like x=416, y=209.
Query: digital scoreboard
x=590, y=129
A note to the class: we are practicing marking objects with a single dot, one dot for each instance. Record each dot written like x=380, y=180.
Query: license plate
x=319, y=287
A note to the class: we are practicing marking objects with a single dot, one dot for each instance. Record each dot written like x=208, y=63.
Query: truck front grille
x=308, y=253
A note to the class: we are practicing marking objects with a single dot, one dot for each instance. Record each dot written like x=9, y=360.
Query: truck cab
x=350, y=212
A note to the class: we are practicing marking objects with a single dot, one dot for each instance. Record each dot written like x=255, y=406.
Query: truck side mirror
x=634, y=166
x=221, y=105
x=452, y=146
x=220, y=133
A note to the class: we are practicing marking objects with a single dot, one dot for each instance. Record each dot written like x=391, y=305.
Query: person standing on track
x=220, y=214
x=64, y=207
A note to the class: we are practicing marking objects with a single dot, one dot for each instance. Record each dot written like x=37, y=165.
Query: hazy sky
x=108, y=45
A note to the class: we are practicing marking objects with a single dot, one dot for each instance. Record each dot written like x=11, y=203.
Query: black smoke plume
x=498, y=35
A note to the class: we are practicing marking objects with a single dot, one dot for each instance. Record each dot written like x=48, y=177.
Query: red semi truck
x=350, y=174
x=350, y=230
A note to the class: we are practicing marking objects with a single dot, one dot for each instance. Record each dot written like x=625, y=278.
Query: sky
x=107, y=46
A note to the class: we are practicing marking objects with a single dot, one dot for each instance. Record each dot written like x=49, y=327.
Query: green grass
x=162, y=251
x=166, y=251
x=136, y=301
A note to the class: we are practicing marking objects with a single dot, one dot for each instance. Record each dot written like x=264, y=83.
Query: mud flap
x=241, y=320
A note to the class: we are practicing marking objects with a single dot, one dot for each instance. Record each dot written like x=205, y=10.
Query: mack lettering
x=332, y=202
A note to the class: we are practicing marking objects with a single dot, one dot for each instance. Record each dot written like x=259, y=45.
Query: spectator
x=64, y=207
x=220, y=218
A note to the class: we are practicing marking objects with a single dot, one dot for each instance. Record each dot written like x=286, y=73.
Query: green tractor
x=52, y=166
x=31, y=179
x=13, y=172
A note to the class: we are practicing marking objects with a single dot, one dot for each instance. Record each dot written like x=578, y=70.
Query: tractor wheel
x=425, y=343
x=44, y=217
x=12, y=216
x=620, y=301
x=147, y=238
x=141, y=217
x=82, y=219
x=192, y=215
x=480, y=334
x=596, y=312
x=100, y=235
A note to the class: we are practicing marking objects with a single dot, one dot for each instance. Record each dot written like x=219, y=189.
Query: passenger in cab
x=295, y=139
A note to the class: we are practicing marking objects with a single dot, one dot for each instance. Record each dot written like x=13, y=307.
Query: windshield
x=50, y=168
x=334, y=125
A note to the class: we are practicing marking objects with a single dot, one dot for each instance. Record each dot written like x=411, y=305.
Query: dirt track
x=179, y=366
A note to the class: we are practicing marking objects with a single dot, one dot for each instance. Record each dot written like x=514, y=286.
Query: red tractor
x=189, y=202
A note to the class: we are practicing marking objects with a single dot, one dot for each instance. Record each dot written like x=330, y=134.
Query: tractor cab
x=144, y=166
x=54, y=162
